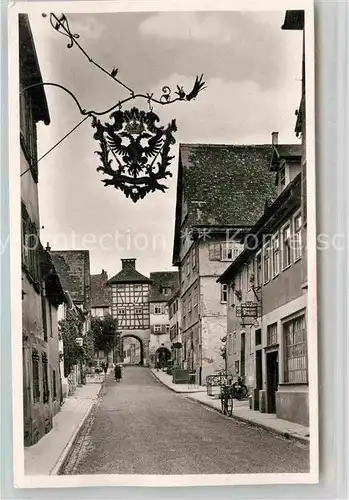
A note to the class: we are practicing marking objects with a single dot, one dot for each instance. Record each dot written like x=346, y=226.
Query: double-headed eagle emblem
x=134, y=151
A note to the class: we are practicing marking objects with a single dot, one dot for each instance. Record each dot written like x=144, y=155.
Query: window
x=214, y=251
x=157, y=328
x=272, y=334
x=28, y=131
x=297, y=237
x=224, y=292
x=296, y=369
x=258, y=269
x=258, y=336
x=36, y=376
x=54, y=385
x=30, y=247
x=121, y=310
x=275, y=263
x=230, y=250
x=138, y=310
x=167, y=328
x=266, y=259
x=237, y=367
x=286, y=246
x=157, y=309
x=188, y=265
x=193, y=257
x=166, y=290
x=46, y=392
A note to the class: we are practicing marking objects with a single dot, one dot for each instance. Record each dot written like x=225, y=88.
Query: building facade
x=267, y=304
x=41, y=288
x=130, y=306
x=73, y=267
x=221, y=192
x=163, y=285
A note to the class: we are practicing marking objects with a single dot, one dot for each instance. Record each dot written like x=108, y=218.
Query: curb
x=66, y=453
x=271, y=430
x=172, y=388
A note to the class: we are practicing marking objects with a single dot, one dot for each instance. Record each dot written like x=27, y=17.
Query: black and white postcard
x=163, y=243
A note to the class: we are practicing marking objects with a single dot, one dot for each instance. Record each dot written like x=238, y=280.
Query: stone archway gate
x=143, y=336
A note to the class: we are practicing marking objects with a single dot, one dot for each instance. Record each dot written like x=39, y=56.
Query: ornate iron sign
x=134, y=151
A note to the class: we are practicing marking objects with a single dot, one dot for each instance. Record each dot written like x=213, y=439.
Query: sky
x=252, y=71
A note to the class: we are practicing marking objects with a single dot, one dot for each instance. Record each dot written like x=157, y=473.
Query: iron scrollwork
x=134, y=151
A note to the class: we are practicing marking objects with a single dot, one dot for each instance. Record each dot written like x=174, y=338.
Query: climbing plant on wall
x=70, y=329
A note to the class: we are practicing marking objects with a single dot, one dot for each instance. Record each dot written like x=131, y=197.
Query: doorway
x=272, y=380
x=259, y=371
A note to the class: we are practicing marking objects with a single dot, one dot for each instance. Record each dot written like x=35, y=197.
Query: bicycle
x=227, y=392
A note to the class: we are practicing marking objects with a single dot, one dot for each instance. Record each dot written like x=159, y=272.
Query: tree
x=105, y=333
x=70, y=329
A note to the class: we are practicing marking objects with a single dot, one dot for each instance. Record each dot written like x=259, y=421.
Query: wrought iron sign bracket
x=134, y=152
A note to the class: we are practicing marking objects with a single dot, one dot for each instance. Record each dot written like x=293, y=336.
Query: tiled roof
x=224, y=185
x=129, y=274
x=73, y=268
x=231, y=182
x=160, y=280
x=100, y=291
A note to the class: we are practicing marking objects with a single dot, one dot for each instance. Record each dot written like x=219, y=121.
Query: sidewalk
x=48, y=454
x=182, y=388
x=241, y=410
x=268, y=421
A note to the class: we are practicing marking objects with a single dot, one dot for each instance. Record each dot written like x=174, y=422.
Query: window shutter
x=163, y=328
x=152, y=329
x=214, y=251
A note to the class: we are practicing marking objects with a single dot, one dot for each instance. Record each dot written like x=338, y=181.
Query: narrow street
x=141, y=427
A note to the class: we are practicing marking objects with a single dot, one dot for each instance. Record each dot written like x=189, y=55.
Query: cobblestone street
x=140, y=427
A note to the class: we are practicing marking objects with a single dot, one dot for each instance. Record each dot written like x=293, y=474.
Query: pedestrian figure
x=105, y=368
x=117, y=372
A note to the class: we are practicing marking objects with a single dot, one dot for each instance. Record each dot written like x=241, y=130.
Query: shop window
x=296, y=365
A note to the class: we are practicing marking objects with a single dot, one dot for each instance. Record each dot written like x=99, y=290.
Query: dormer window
x=166, y=290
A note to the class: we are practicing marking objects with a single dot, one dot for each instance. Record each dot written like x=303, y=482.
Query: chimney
x=48, y=248
x=128, y=263
x=274, y=138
